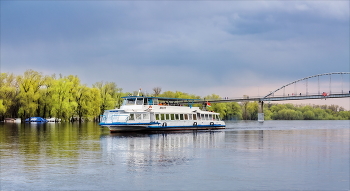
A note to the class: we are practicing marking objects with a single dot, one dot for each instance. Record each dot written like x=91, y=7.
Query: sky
x=228, y=48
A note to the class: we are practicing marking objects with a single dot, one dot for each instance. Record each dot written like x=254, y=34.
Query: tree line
x=249, y=111
x=66, y=98
x=63, y=97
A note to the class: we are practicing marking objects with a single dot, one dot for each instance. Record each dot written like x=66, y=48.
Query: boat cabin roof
x=159, y=98
x=146, y=100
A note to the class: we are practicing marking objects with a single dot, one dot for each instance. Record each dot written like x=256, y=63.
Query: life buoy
x=194, y=123
x=150, y=107
x=212, y=123
x=164, y=124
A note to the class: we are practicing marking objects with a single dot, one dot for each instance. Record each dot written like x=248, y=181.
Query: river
x=248, y=155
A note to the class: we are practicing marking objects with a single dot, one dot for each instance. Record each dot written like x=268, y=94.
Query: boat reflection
x=140, y=151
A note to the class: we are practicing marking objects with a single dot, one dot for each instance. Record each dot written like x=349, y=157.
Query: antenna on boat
x=138, y=94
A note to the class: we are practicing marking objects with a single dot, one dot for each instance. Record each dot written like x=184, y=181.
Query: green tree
x=250, y=110
x=253, y=109
x=344, y=115
x=287, y=114
x=169, y=94
x=267, y=114
x=2, y=109
x=217, y=107
x=29, y=86
x=309, y=115
x=94, y=103
x=45, y=100
x=277, y=107
x=63, y=106
x=233, y=111
x=88, y=100
x=110, y=95
x=8, y=95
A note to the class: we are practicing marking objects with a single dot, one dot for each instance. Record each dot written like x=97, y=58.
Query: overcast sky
x=229, y=48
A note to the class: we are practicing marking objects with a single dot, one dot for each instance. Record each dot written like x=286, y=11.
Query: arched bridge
x=306, y=95
x=332, y=85
x=333, y=90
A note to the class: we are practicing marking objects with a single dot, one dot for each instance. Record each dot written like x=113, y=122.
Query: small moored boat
x=53, y=120
x=139, y=113
x=35, y=119
x=12, y=120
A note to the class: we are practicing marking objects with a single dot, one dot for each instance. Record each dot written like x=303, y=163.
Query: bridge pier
x=261, y=111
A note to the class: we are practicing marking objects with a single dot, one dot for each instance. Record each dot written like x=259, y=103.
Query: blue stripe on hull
x=215, y=125
x=126, y=124
x=120, y=128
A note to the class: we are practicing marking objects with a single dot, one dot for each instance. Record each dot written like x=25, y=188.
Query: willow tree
x=93, y=104
x=88, y=100
x=2, y=109
x=110, y=95
x=45, y=101
x=63, y=104
x=29, y=86
x=8, y=94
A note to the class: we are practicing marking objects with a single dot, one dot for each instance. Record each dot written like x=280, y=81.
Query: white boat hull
x=166, y=126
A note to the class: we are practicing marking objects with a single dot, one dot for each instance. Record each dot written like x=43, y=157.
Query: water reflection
x=245, y=156
x=140, y=151
x=36, y=146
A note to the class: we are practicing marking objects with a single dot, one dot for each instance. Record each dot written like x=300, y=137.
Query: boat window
x=131, y=117
x=162, y=116
x=155, y=101
x=190, y=116
x=138, y=116
x=194, y=117
x=186, y=116
x=146, y=116
x=198, y=116
x=167, y=116
x=172, y=116
x=157, y=116
x=139, y=101
x=202, y=117
x=150, y=101
x=181, y=116
x=210, y=117
x=129, y=101
x=176, y=116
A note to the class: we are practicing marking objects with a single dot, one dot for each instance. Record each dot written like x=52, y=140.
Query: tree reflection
x=39, y=145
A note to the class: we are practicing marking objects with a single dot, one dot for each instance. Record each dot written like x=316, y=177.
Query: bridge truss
x=306, y=84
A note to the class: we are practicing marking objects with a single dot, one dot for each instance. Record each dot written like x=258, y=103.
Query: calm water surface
x=274, y=155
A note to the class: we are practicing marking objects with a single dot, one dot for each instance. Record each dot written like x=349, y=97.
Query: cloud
x=199, y=47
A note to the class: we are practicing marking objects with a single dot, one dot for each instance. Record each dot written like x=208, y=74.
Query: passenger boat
x=140, y=113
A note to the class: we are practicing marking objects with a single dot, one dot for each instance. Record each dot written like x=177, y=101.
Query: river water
x=274, y=155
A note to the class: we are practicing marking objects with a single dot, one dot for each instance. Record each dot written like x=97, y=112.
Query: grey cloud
x=204, y=43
